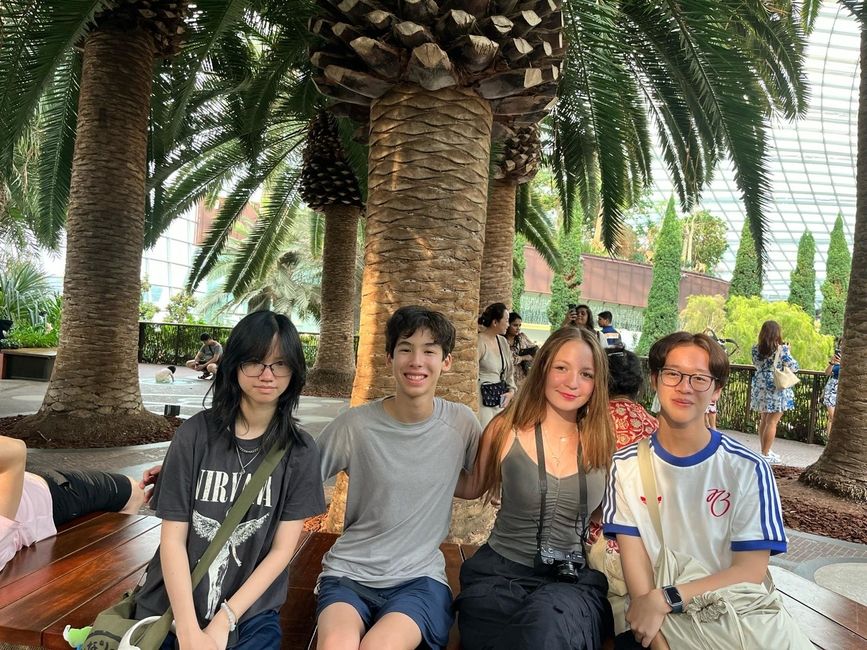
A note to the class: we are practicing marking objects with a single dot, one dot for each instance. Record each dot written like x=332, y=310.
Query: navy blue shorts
x=427, y=602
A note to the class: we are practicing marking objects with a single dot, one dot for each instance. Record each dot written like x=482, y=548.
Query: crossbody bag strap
x=648, y=484
x=543, y=486
x=502, y=358
x=233, y=518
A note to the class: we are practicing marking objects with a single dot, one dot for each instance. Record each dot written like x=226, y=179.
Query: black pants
x=503, y=605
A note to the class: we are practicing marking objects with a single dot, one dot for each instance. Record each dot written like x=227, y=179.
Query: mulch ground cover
x=41, y=441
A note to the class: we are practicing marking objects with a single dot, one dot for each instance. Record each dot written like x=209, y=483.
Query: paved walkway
x=835, y=564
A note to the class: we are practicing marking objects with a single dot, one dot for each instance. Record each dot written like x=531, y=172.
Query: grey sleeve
x=334, y=447
x=172, y=498
x=305, y=497
x=472, y=432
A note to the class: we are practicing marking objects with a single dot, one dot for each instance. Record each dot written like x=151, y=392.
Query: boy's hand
x=218, y=630
x=646, y=614
x=149, y=478
x=199, y=640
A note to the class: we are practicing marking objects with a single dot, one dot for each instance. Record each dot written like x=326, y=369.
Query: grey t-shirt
x=401, y=481
x=210, y=350
x=200, y=479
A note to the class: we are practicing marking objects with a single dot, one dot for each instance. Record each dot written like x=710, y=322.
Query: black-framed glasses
x=255, y=369
x=672, y=377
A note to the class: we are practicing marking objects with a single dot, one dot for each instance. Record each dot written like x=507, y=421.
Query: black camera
x=563, y=566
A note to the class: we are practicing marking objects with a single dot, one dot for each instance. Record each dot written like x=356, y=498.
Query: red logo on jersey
x=719, y=500
x=644, y=500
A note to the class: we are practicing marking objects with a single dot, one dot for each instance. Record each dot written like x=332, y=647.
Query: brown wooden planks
x=305, y=567
x=24, y=621
x=822, y=631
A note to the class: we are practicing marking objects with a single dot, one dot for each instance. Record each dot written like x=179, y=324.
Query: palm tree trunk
x=94, y=390
x=496, y=281
x=334, y=369
x=842, y=467
x=427, y=198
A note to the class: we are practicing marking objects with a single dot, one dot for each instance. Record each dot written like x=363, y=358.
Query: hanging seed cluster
x=326, y=177
x=164, y=19
x=509, y=51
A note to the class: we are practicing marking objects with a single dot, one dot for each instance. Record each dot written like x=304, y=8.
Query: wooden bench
x=69, y=578
x=27, y=363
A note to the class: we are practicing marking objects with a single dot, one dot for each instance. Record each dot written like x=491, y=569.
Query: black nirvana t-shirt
x=200, y=479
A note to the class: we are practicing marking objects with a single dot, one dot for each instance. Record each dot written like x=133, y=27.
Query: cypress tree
x=802, y=288
x=836, y=284
x=747, y=276
x=566, y=285
x=660, y=317
x=519, y=265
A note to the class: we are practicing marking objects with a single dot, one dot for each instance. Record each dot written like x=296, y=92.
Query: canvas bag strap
x=778, y=355
x=648, y=484
x=233, y=518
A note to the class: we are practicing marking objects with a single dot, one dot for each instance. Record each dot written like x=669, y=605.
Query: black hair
x=407, y=320
x=204, y=337
x=624, y=373
x=606, y=315
x=590, y=324
x=718, y=360
x=513, y=316
x=251, y=340
x=172, y=369
x=494, y=311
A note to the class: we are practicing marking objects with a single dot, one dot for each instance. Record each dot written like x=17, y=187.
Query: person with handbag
x=547, y=455
x=496, y=376
x=829, y=393
x=34, y=504
x=771, y=391
x=383, y=582
x=696, y=515
x=523, y=349
x=210, y=460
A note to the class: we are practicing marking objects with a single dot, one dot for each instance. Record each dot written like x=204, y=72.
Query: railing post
x=814, y=409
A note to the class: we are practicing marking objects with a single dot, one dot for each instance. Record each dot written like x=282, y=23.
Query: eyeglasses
x=255, y=369
x=672, y=377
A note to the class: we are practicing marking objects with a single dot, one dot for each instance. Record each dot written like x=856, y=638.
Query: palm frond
x=532, y=222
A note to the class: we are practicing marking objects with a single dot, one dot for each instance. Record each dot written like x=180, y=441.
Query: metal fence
x=172, y=343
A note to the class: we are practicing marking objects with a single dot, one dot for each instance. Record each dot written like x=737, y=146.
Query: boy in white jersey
x=383, y=583
x=718, y=501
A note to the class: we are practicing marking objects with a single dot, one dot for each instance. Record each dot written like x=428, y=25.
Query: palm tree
x=842, y=467
x=104, y=118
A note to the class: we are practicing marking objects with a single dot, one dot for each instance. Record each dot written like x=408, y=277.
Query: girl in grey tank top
x=506, y=601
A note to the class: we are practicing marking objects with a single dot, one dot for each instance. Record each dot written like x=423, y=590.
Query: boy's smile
x=417, y=364
x=682, y=405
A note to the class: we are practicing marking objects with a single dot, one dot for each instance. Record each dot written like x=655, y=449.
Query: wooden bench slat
x=822, y=631
x=85, y=614
x=305, y=567
x=65, y=543
x=839, y=609
x=65, y=561
x=24, y=621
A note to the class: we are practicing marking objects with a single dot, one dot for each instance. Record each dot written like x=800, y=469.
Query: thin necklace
x=556, y=457
x=241, y=462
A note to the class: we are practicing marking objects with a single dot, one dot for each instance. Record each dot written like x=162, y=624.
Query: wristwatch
x=672, y=597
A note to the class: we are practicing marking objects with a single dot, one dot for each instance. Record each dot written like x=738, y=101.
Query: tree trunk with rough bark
x=94, y=390
x=842, y=467
x=496, y=280
x=427, y=198
x=334, y=370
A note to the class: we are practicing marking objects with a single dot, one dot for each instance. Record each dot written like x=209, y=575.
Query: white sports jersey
x=721, y=499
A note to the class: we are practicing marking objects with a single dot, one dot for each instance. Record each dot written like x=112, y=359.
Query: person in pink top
x=33, y=505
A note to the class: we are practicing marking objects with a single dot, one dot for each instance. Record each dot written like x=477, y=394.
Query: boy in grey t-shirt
x=384, y=578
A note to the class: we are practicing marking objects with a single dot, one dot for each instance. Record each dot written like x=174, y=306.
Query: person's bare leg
x=771, y=429
x=339, y=627
x=136, y=498
x=830, y=421
x=394, y=631
x=13, y=457
x=711, y=420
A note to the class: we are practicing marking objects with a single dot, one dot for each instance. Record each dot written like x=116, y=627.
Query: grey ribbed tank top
x=514, y=532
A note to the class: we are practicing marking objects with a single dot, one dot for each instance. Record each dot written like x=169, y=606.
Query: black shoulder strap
x=502, y=358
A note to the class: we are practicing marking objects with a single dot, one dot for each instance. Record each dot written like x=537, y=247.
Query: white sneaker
x=775, y=456
x=770, y=459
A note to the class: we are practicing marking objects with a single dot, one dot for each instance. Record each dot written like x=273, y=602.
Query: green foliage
x=146, y=309
x=704, y=243
x=566, y=285
x=660, y=316
x=802, y=288
x=519, y=265
x=180, y=308
x=747, y=276
x=744, y=320
x=27, y=335
x=24, y=291
x=703, y=312
x=836, y=284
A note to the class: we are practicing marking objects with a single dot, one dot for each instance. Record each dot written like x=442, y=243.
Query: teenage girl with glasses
x=210, y=459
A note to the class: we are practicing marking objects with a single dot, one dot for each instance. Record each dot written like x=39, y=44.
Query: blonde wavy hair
x=530, y=406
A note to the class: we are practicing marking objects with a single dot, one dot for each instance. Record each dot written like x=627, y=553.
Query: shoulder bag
x=115, y=629
x=784, y=377
x=743, y=615
x=492, y=392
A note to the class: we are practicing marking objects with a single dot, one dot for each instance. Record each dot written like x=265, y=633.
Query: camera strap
x=543, y=486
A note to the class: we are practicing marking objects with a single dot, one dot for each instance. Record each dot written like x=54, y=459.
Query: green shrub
x=703, y=312
x=566, y=285
x=747, y=276
x=802, y=289
x=26, y=335
x=836, y=284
